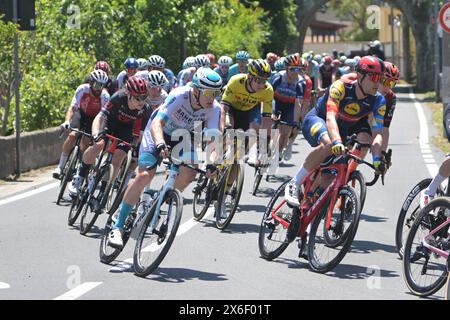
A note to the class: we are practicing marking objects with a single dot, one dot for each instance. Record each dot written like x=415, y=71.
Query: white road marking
x=29, y=193
x=424, y=141
x=78, y=291
x=4, y=285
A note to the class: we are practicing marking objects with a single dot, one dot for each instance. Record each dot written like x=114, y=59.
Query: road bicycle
x=427, y=249
x=410, y=209
x=332, y=217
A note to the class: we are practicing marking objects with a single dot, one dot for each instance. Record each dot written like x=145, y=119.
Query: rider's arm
x=385, y=136
x=337, y=92
x=156, y=130
x=98, y=124
x=69, y=114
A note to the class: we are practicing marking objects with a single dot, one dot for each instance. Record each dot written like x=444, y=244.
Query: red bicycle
x=332, y=219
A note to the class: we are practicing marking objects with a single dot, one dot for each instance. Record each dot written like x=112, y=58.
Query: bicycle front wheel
x=202, y=197
x=358, y=183
x=424, y=271
x=68, y=172
x=153, y=244
x=327, y=247
x=229, y=195
x=272, y=234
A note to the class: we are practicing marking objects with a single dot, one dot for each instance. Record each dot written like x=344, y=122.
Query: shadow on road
x=241, y=228
x=364, y=246
x=264, y=192
x=179, y=275
x=242, y=208
x=369, y=218
x=348, y=271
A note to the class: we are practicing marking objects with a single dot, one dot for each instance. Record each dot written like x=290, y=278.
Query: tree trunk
x=407, y=68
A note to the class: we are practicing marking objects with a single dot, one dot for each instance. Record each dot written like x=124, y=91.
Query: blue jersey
x=234, y=70
x=223, y=76
x=286, y=93
x=171, y=77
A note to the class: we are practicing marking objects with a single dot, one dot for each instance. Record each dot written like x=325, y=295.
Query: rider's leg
x=67, y=146
x=444, y=172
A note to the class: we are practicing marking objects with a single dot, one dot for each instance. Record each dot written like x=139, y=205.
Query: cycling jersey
x=326, y=74
x=171, y=77
x=186, y=76
x=391, y=100
x=122, y=77
x=88, y=104
x=154, y=102
x=223, y=76
x=238, y=97
x=286, y=93
x=308, y=88
x=234, y=70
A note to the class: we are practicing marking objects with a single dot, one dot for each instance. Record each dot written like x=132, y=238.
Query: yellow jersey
x=237, y=96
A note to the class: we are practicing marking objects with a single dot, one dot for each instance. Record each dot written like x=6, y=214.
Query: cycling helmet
x=211, y=57
x=327, y=60
x=391, y=71
x=292, y=60
x=131, y=63
x=357, y=58
x=136, y=85
x=279, y=64
x=102, y=65
x=157, y=79
x=342, y=59
x=370, y=64
x=318, y=58
x=242, y=55
x=189, y=62
x=259, y=68
x=142, y=64
x=225, y=61
x=350, y=62
x=99, y=76
x=156, y=61
x=206, y=78
x=202, y=60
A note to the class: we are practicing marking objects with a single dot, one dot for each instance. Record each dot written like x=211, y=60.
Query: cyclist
x=327, y=125
x=88, y=100
x=326, y=74
x=118, y=117
x=131, y=66
x=313, y=70
x=183, y=106
x=271, y=58
x=430, y=192
x=279, y=66
x=185, y=75
x=223, y=67
x=111, y=85
x=156, y=81
x=158, y=63
x=142, y=64
x=289, y=88
x=241, y=64
x=243, y=97
x=212, y=61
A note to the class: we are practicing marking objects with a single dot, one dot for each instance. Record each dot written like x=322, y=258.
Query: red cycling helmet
x=391, y=71
x=336, y=63
x=136, y=85
x=370, y=64
x=292, y=60
x=211, y=57
x=327, y=60
x=102, y=65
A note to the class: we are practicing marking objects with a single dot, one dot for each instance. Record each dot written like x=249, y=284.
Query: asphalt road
x=42, y=258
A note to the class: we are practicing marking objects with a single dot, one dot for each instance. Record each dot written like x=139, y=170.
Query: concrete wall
x=38, y=149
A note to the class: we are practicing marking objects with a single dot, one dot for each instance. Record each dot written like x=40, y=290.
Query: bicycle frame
x=433, y=249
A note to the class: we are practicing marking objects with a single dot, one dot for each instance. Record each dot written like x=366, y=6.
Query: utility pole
x=436, y=52
x=17, y=84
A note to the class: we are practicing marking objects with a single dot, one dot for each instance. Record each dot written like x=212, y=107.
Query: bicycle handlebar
x=74, y=130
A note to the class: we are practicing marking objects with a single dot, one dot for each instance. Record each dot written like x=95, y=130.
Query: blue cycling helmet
x=206, y=78
x=131, y=63
x=279, y=64
x=242, y=55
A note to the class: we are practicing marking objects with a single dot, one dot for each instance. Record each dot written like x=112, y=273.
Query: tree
x=6, y=73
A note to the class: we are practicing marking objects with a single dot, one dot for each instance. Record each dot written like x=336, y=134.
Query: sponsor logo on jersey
x=352, y=109
x=315, y=128
x=382, y=110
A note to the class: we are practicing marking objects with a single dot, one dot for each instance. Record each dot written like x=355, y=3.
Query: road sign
x=26, y=13
x=444, y=17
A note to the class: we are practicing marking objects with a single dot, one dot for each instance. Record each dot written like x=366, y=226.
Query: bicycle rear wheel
x=272, y=234
x=229, y=195
x=326, y=248
x=97, y=198
x=68, y=171
x=408, y=213
x=202, y=197
x=426, y=272
x=357, y=181
x=77, y=206
x=152, y=247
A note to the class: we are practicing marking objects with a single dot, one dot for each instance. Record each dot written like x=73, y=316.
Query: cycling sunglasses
x=259, y=80
x=210, y=93
x=97, y=85
x=295, y=69
x=388, y=82
x=140, y=97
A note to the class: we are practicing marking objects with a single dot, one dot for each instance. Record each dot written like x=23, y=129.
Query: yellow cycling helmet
x=259, y=68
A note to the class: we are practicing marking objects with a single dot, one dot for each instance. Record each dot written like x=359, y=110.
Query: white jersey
x=186, y=76
x=121, y=78
x=177, y=113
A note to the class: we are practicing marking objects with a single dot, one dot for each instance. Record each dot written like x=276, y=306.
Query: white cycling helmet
x=98, y=76
x=189, y=62
x=142, y=64
x=202, y=60
x=156, y=61
x=157, y=79
x=350, y=62
x=206, y=78
x=225, y=61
